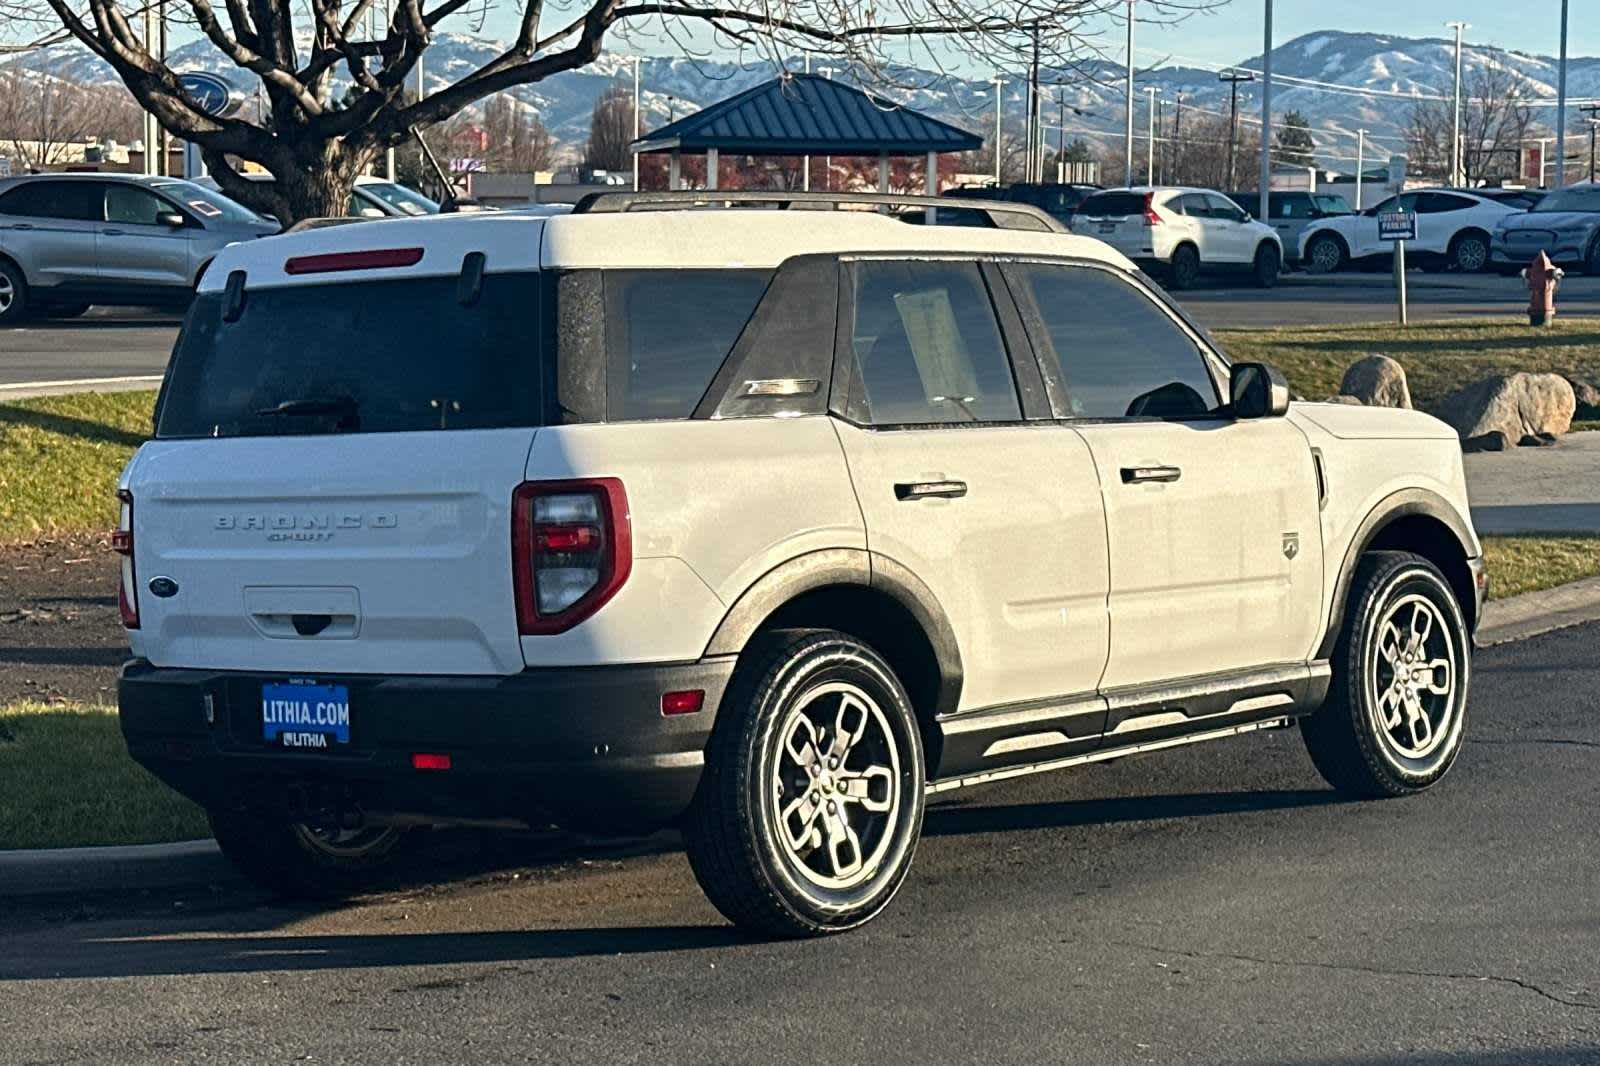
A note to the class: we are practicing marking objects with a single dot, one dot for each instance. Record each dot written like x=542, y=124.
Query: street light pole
x=1593, y=111
x=1128, y=141
x=1455, y=112
x=1361, y=163
x=1150, y=154
x=1233, y=78
x=636, y=123
x=1561, y=105
x=1266, y=113
x=999, y=98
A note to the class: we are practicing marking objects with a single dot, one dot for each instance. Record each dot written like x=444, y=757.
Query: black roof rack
x=1001, y=214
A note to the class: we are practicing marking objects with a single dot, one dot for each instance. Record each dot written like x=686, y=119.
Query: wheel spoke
x=1418, y=724
x=1390, y=643
x=844, y=846
x=847, y=732
x=1421, y=625
x=858, y=788
x=1389, y=705
x=799, y=823
x=805, y=752
x=1433, y=684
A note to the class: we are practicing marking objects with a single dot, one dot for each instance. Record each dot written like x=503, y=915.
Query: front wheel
x=1184, y=272
x=1267, y=266
x=299, y=861
x=1324, y=254
x=13, y=295
x=1396, y=713
x=809, y=812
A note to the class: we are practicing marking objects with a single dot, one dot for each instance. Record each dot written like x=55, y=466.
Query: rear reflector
x=687, y=702
x=332, y=262
x=426, y=760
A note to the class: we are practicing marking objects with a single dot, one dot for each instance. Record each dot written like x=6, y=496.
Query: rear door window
x=927, y=347
x=667, y=333
x=77, y=200
x=364, y=357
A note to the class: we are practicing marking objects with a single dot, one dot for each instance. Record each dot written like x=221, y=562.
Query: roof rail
x=1001, y=214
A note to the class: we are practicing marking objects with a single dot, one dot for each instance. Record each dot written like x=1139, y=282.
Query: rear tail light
x=1151, y=218
x=122, y=544
x=571, y=549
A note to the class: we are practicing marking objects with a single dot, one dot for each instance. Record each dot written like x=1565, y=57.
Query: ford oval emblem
x=164, y=587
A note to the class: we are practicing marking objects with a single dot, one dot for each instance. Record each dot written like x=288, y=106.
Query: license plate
x=1108, y=227
x=305, y=716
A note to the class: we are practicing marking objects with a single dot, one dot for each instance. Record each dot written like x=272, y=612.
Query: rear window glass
x=667, y=333
x=364, y=357
x=1113, y=205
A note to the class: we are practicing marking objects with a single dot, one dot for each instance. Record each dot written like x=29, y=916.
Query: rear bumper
x=584, y=747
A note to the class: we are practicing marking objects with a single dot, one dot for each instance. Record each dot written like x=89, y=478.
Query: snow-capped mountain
x=1365, y=80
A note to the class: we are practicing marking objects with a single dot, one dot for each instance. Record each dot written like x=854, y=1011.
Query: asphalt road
x=115, y=343
x=1211, y=905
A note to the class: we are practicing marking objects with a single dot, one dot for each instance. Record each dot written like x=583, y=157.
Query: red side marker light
x=427, y=760
x=686, y=702
x=333, y=262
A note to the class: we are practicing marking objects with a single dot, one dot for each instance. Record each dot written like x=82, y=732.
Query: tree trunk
x=313, y=182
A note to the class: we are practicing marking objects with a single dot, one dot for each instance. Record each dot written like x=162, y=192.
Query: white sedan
x=1453, y=231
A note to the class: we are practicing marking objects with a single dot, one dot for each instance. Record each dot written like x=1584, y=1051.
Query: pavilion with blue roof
x=806, y=115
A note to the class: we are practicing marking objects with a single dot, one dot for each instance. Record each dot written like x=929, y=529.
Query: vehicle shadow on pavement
x=174, y=956
x=1577, y=1056
x=1057, y=814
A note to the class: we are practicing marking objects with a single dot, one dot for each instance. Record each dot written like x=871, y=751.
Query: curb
x=67, y=871
x=25, y=390
x=72, y=871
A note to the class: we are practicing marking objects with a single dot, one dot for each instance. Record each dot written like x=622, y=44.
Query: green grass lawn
x=60, y=457
x=66, y=781
x=1439, y=357
x=1529, y=562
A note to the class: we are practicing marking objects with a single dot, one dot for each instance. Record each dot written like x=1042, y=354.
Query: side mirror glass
x=1258, y=391
x=171, y=219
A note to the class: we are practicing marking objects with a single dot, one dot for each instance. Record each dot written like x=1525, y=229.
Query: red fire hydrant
x=1543, y=277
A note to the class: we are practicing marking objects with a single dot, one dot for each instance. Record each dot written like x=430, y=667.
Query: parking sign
x=1397, y=226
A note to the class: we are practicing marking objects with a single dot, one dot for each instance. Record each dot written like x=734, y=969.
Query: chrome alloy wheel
x=836, y=786
x=1325, y=255
x=8, y=294
x=1414, y=679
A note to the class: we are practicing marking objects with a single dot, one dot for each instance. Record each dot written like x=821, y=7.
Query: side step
x=1001, y=774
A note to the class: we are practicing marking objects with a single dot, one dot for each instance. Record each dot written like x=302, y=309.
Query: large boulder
x=1588, y=398
x=1377, y=381
x=1518, y=405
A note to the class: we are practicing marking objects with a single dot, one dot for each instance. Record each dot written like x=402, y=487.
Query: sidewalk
x=1537, y=490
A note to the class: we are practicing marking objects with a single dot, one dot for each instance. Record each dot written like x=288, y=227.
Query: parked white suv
x=1179, y=234
x=769, y=524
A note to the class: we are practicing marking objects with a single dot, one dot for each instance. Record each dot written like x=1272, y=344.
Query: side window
x=1115, y=352
x=1225, y=209
x=77, y=200
x=667, y=333
x=1191, y=204
x=132, y=205
x=927, y=347
x=1437, y=203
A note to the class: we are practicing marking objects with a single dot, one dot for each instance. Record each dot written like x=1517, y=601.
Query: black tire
x=741, y=832
x=1469, y=253
x=1325, y=254
x=291, y=860
x=1591, y=262
x=1184, y=270
x=13, y=294
x=1267, y=266
x=1356, y=750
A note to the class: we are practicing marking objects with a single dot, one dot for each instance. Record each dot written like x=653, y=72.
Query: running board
x=1103, y=755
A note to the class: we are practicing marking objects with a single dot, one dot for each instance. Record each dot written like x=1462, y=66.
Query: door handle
x=923, y=490
x=111, y=233
x=1139, y=475
x=22, y=225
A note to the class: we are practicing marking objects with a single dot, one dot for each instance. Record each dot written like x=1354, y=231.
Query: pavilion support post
x=930, y=185
x=883, y=172
x=674, y=171
x=711, y=168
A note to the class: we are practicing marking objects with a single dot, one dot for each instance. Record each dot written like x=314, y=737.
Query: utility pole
x=1455, y=112
x=1150, y=156
x=1035, y=117
x=1128, y=142
x=150, y=135
x=1175, y=158
x=372, y=35
x=636, y=124
x=1233, y=78
x=1061, y=135
x=999, y=98
x=1361, y=163
x=1593, y=111
x=163, y=136
x=1561, y=105
x=1266, y=114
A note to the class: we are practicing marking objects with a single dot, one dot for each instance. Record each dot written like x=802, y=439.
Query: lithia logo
x=307, y=526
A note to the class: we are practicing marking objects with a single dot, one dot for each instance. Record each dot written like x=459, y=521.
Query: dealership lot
x=1214, y=905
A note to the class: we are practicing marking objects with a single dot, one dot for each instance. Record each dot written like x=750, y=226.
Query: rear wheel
x=1325, y=254
x=1184, y=271
x=809, y=812
x=13, y=294
x=299, y=861
x=1395, y=715
x=1469, y=253
x=1267, y=266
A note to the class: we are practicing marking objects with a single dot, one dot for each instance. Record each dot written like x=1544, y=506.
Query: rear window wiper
x=346, y=407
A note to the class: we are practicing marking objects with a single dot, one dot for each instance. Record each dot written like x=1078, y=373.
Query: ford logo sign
x=164, y=587
x=208, y=93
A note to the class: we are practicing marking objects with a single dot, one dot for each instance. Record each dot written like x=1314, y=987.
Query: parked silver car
x=68, y=241
x=371, y=198
x=1565, y=225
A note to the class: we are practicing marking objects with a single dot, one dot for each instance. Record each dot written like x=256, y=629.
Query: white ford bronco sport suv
x=769, y=524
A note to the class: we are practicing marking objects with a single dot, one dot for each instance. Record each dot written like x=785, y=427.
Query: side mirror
x=171, y=219
x=1259, y=391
